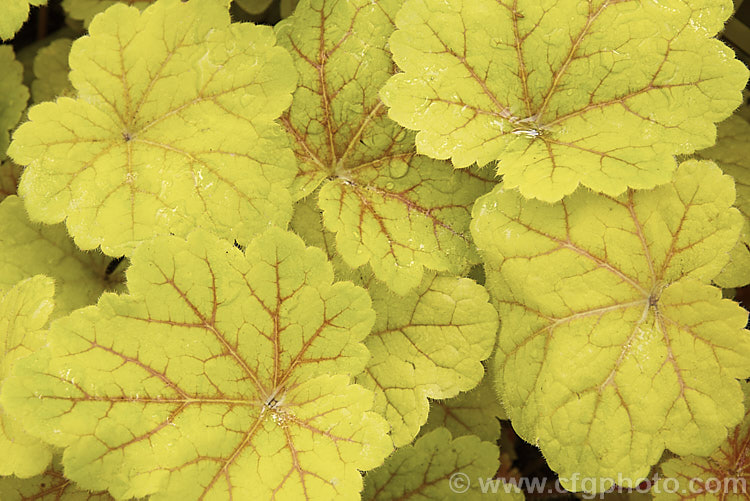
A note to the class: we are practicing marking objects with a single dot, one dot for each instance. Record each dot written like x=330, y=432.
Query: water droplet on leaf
x=398, y=169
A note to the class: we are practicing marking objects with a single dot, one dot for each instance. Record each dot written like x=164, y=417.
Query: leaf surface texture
x=613, y=346
x=172, y=128
x=562, y=92
x=232, y=382
x=389, y=207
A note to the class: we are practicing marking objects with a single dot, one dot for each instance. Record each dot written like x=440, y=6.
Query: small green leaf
x=287, y=7
x=28, y=249
x=437, y=467
x=173, y=128
x=401, y=226
x=232, y=380
x=51, y=72
x=307, y=222
x=564, y=92
x=24, y=311
x=398, y=211
x=721, y=476
x=613, y=346
x=475, y=412
x=85, y=10
x=13, y=94
x=737, y=271
x=49, y=486
x=429, y=343
x=254, y=6
x=731, y=153
x=14, y=14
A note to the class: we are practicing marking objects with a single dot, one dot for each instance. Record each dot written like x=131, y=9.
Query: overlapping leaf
x=390, y=208
x=13, y=94
x=172, y=128
x=85, y=10
x=14, y=15
x=438, y=467
x=737, y=271
x=600, y=93
x=51, y=72
x=475, y=412
x=732, y=154
x=307, y=222
x=424, y=345
x=429, y=343
x=222, y=376
x=24, y=311
x=613, y=346
x=49, y=486
x=28, y=249
x=722, y=476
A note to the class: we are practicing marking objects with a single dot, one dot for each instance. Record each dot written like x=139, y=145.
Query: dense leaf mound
x=336, y=249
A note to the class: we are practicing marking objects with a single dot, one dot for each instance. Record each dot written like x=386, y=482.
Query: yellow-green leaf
x=28, y=249
x=613, y=347
x=172, y=128
x=722, y=476
x=438, y=467
x=24, y=311
x=732, y=154
x=85, y=10
x=13, y=95
x=49, y=486
x=476, y=412
x=564, y=92
x=51, y=72
x=398, y=211
x=222, y=375
x=307, y=222
x=428, y=344
x=14, y=14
